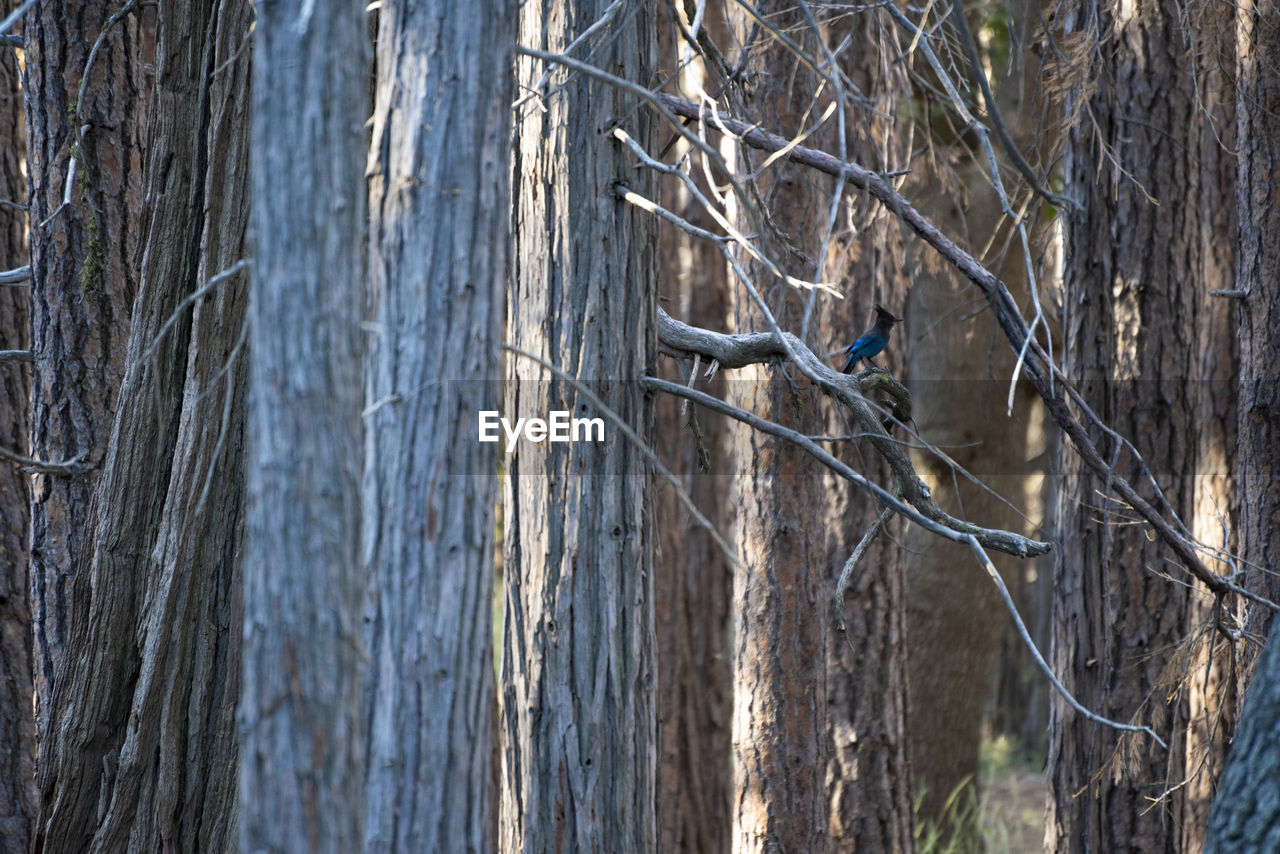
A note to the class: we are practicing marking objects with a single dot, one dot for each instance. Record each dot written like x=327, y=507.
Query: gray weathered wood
x=577, y=663
x=301, y=707
x=439, y=220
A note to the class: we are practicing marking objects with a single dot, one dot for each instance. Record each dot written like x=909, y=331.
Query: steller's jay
x=871, y=342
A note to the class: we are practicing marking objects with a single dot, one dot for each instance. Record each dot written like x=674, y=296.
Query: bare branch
x=1035, y=653
x=17, y=13
x=642, y=447
x=1052, y=385
x=18, y=277
x=7, y=356
x=922, y=510
x=70, y=468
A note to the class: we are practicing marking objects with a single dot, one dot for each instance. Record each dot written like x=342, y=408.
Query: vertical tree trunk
x=144, y=756
x=17, y=727
x=1141, y=258
x=1246, y=811
x=868, y=778
x=693, y=579
x=960, y=369
x=578, y=664
x=779, y=495
x=302, y=714
x=1258, y=270
x=438, y=218
x=84, y=279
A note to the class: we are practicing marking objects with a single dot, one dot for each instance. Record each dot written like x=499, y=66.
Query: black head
x=883, y=315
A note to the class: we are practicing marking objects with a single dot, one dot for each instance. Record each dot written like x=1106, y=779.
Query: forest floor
x=1013, y=801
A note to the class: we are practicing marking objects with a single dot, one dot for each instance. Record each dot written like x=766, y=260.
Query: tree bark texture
x=302, y=711
x=693, y=578
x=439, y=196
x=144, y=756
x=780, y=498
x=1142, y=256
x=1258, y=270
x=868, y=776
x=17, y=727
x=578, y=666
x=84, y=263
x=1246, y=810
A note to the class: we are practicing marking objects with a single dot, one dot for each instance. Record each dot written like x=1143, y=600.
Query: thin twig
x=847, y=572
x=1039, y=659
x=642, y=447
x=7, y=356
x=17, y=13
x=70, y=468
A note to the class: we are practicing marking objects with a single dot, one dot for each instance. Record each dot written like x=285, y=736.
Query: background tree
x=693, y=579
x=302, y=711
x=1245, y=812
x=959, y=637
x=17, y=727
x=438, y=217
x=578, y=664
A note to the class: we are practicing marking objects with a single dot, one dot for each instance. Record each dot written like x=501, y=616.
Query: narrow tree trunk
x=578, y=665
x=144, y=757
x=17, y=727
x=1246, y=811
x=780, y=501
x=868, y=776
x=84, y=279
x=693, y=578
x=438, y=218
x=1141, y=258
x=302, y=714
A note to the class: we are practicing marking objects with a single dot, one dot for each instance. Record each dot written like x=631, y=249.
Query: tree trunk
x=960, y=372
x=578, y=664
x=1246, y=811
x=17, y=727
x=693, y=578
x=438, y=219
x=302, y=712
x=868, y=778
x=780, y=500
x=1142, y=257
x=144, y=758
x=1258, y=270
x=84, y=279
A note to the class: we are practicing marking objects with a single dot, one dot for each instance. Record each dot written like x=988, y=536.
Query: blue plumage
x=872, y=342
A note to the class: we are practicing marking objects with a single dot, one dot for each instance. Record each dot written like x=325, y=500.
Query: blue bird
x=871, y=342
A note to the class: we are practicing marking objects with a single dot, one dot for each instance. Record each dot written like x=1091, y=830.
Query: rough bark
x=1142, y=257
x=438, y=221
x=17, y=727
x=693, y=579
x=302, y=712
x=868, y=777
x=578, y=665
x=1246, y=811
x=144, y=756
x=84, y=279
x=1258, y=270
x=781, y=610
